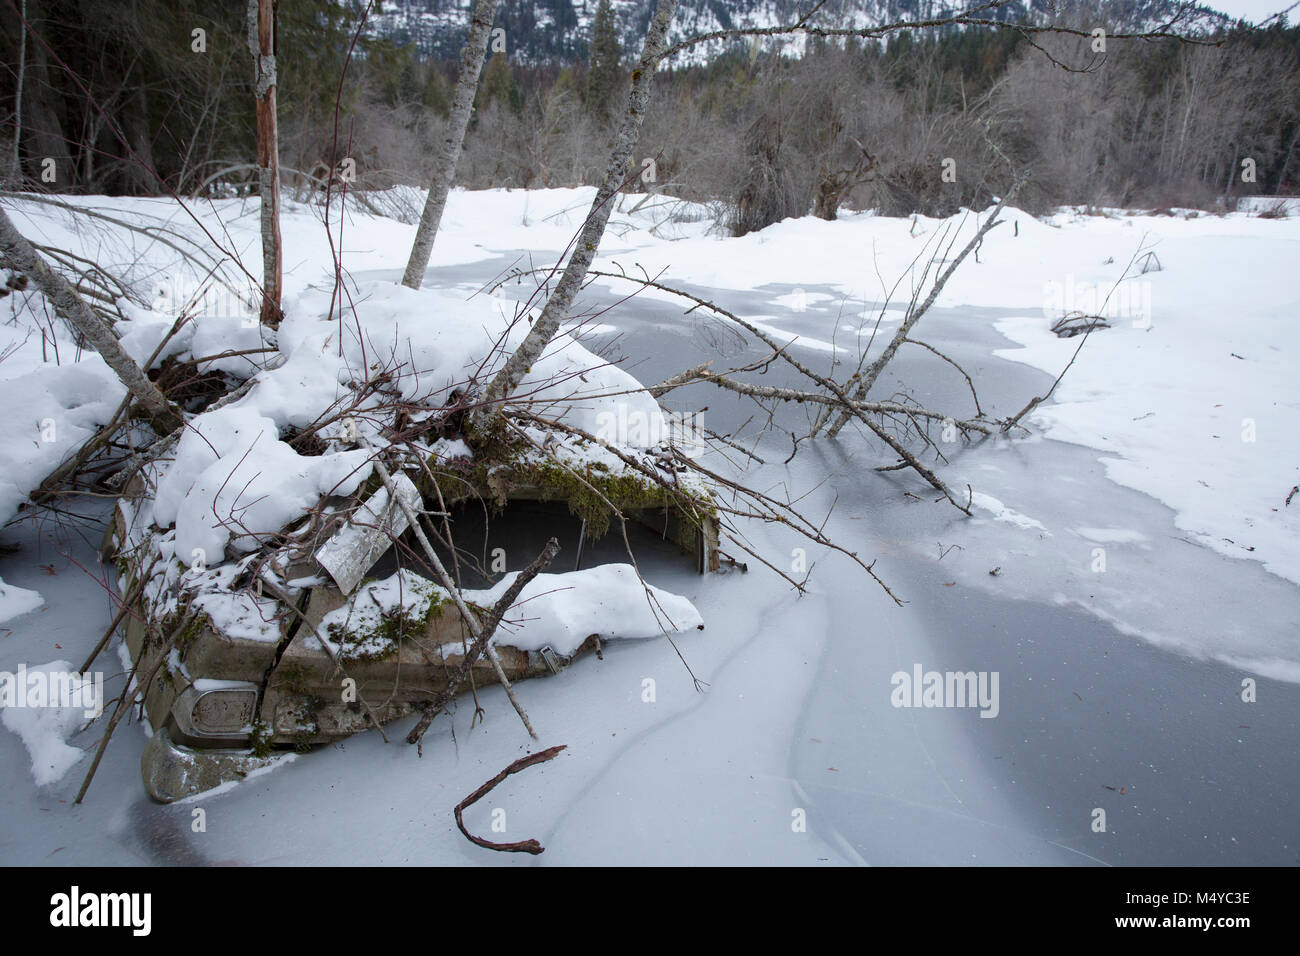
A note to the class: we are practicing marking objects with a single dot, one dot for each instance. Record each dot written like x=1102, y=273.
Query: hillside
x=560, y=29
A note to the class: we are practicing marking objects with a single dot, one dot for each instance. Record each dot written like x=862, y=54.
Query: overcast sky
x=1253, y=10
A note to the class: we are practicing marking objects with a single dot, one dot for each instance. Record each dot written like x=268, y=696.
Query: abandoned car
x=281, y=595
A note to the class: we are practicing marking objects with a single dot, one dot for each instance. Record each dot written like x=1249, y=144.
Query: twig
x=121, y=708
x=868, y=378
x=123, y=609
x=523, y=763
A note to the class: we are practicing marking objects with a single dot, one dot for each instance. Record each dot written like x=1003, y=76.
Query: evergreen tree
x=437, y=96
x=499, y=84
x=605, y=78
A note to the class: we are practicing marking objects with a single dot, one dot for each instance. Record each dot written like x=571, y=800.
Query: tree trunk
x=261, y=44
x=1286, y=162
x=557, y=307
x=42, y=109
x=138, y=179
x=70, y=307
x=14, y=176
x=444, y=170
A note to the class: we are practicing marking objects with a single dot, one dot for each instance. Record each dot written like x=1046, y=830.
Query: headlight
x=216, y=709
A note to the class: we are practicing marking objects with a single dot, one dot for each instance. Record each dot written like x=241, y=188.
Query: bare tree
x=43, y=126
x=81, y=318
x=444, y=171
x=16, y=170
x=261, y=44
x=557, y=307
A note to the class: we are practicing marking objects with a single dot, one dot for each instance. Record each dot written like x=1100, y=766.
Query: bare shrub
x=769, y=192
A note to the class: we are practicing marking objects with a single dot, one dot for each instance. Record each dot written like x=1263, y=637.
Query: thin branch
x=523, y=763
x=480, y=645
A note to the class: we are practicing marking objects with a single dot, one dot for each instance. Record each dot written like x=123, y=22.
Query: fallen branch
x=523, y=763
x=480, y=644
x=865, y=379
x=851, y=407
x=72, y=308
x=123, y=609
x=798, y=396
x=120, y=710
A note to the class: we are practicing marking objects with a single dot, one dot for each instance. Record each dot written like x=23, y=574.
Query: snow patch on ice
x=44, y=731
x=16, y=601
x=1001, y=512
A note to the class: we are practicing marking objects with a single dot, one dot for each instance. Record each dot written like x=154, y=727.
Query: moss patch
x=259, y=742
x=585, y=486
x=381, y=639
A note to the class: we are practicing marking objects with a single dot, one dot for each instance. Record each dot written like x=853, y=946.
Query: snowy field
x=1131, y=573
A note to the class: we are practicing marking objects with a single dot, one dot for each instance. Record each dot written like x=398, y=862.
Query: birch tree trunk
x=444, y=170
x=261, y=44
x=868, y=378
x=557, y=307
x=70, y=307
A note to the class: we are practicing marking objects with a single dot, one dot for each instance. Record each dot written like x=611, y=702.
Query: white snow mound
x=556, y=610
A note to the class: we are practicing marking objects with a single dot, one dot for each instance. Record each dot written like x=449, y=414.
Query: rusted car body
x=224, y=700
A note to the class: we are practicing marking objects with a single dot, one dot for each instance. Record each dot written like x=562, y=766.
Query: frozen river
x=1116, y=691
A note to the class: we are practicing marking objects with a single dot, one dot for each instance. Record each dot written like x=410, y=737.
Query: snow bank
x=233, y=481
x=45, y=379
x=1195, y=404
x=439, y=340
x=49, y=413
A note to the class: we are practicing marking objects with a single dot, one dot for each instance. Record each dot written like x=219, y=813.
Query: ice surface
x=1127, y=677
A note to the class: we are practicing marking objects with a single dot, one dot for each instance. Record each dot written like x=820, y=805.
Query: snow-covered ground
x=1130, y=564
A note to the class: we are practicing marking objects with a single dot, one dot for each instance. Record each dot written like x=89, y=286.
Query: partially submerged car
x=278, y=596
x=301, y=641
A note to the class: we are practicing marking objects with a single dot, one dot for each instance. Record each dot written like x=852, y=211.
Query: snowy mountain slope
x=561, y=29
